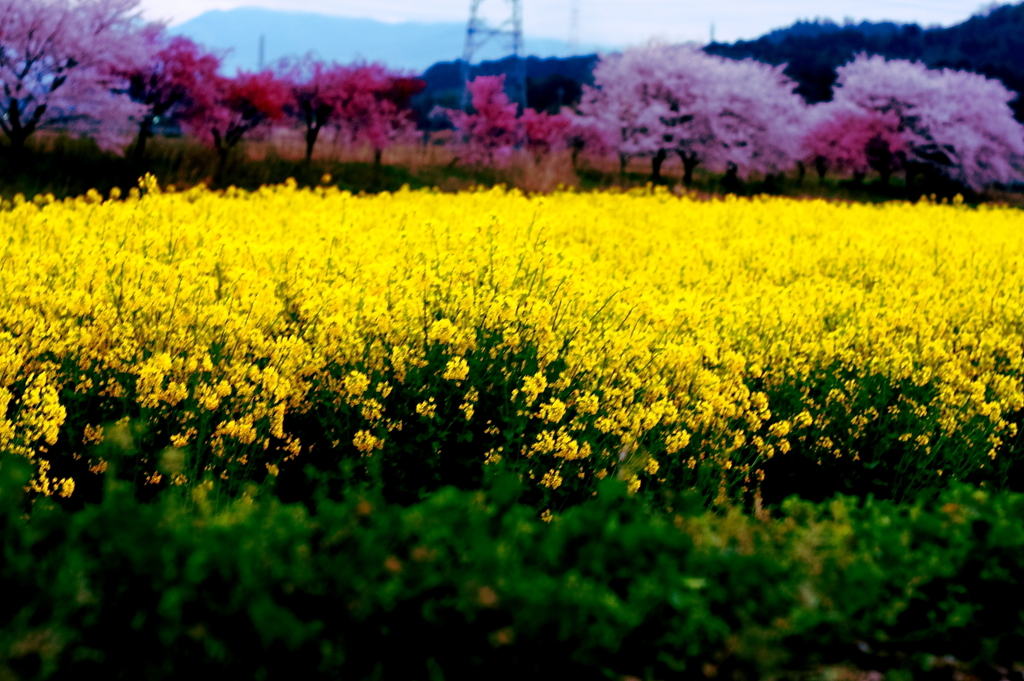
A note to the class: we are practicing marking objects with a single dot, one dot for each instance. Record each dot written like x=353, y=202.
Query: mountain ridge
x=412, y=46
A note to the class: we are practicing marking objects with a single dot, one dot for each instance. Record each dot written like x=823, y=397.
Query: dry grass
x=69, y=167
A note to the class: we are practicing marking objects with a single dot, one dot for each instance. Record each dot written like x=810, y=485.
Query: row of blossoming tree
x=743, y=117
x=93, y=67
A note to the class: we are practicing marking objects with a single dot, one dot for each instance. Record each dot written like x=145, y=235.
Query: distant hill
x=412, y=46
x=991, y=44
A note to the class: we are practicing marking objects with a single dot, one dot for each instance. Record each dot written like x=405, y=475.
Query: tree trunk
x=221, y=145
x=312, y=133
x=731, y=181
x=17, y=138
x=577, y=147
x=656, y=162
x=801, y=172
x=222, y=165
x=690, y=161
x=880, y=158
x=145, y=132
x=821, y=166
x=885, y=173
x=623, y=162
x=18, y=153
x=912, y=171
x=17, y=131
x=377, y=156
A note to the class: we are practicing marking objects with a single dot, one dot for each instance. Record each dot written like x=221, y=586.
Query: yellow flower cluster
x=663, y=338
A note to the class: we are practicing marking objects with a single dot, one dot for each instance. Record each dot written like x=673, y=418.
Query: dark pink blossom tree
x=373, y=107
x=315, y=96
x=544, y=133
x=956, y=123
x=180, y=79
x=238, y=106
x=61, y=68
x=851, y=139
x=492, y=132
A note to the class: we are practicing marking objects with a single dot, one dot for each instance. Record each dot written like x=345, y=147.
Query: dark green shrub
x=467, y=584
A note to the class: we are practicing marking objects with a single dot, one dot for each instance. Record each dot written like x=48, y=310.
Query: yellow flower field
x=672, y=342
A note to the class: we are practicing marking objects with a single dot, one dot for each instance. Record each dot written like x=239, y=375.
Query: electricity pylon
x=574, y=26
x=510, y=31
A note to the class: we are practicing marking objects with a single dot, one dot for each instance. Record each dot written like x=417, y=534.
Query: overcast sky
x=612, y=22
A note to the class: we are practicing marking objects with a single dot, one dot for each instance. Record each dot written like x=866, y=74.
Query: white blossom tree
x=956, y=123
x=620, y=105
x=61, y=67
x=741, y=116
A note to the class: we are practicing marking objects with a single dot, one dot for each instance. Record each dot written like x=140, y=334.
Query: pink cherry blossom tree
x=621, y=103
x=237, y=106
x=956, y=123
x=492, y=132
x=658, y=99
x=544, y=133
x=584, y=135
x=754, y=117
x=851, y=139
x=180, y=79
x=315, y=95
x=373, y=108
x=61, y=68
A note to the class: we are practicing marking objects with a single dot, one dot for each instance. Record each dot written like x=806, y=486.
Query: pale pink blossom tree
x=956, y=123
x=739, y=116
x=754, y=116
x=584, y=135
x=492, y=132
x=620, y=104
x=180, y=79
x=61, y=67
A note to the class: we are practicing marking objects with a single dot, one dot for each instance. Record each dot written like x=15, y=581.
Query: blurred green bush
x=475, y=585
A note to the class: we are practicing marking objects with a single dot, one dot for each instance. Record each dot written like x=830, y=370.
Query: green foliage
x=471, y=583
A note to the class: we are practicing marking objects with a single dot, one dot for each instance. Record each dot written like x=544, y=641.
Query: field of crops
x=275, y=433
x=673, y=343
